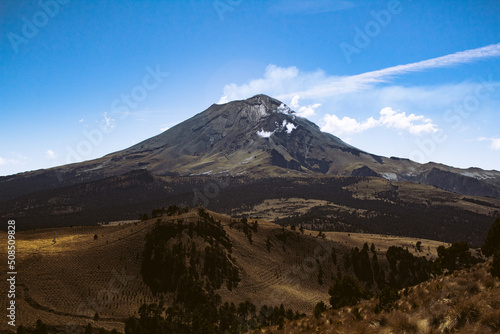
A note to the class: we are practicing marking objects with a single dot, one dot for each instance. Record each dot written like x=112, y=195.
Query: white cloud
x=389, y=118
x=285, y=83
x=4, y=161
x=81, y=120
x=223, y=100
x=165, y=128
x=276, y=81
x=51, y=154
x=304, y=111
x=392, y=119
x=335, y=86
x=494, y=142
x=275, y=78
x=338, y=126
x=110, y=122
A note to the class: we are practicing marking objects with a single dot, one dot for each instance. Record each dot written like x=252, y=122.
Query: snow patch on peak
x=284, y=109
x=389, y=176
x=262, y=110
x=290, y=127
x=285, y=126
x=478, y=176
x=264, y=134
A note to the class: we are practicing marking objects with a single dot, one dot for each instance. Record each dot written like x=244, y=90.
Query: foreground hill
x=468, y=301
x=67, y=275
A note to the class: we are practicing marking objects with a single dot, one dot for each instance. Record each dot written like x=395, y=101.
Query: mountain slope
x=238, y=137
x=259, y=137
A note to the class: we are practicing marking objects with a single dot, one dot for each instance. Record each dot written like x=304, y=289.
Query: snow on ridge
x=478, y=176
x=290, y=127
x=284, y=109
x=389, y=176
x=265, y=134
x=261, y=110
x=285, y=126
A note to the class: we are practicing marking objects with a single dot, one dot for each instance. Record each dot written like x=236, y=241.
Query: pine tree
x=492, y=242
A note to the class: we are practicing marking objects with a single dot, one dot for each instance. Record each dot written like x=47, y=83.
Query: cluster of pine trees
x=170, y=211
x=173, y=262
x=172, y=255
x=404, y=270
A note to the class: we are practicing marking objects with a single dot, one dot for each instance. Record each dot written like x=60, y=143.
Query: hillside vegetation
x=468, y=301
x=71, y=274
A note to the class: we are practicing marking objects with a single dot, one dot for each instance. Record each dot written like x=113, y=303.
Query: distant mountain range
x=251, y=140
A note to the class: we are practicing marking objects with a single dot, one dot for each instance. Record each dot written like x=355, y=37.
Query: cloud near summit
x=285, y=83
x=389, y=118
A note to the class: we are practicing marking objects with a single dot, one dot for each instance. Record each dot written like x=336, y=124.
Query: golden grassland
x=65, y=275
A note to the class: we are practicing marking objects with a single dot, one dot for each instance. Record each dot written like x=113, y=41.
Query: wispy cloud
x=494, y=142
x=109, y=122
x=303, y=111
x=4, y=161
x=367, y=80
x=51, y=154
x=286, y=83
x=389, y=118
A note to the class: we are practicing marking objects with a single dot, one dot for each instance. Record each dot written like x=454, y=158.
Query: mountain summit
x=240, y=137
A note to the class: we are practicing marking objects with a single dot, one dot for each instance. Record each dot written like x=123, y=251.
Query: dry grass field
x=66, y=275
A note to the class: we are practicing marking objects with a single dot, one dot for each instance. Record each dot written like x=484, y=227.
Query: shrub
x=21, y=330
x=492, y=321
x=346, y=291
x=405, y=325
x=356, y=314
x=495, y=265
x=40, y=327
x=468, y=314
x=319, y=308
x=492, y=242
x=386, y=299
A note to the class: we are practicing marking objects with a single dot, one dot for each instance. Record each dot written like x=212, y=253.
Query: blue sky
x=414, y=79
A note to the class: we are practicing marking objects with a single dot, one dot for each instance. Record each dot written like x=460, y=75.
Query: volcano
x=259, y=138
